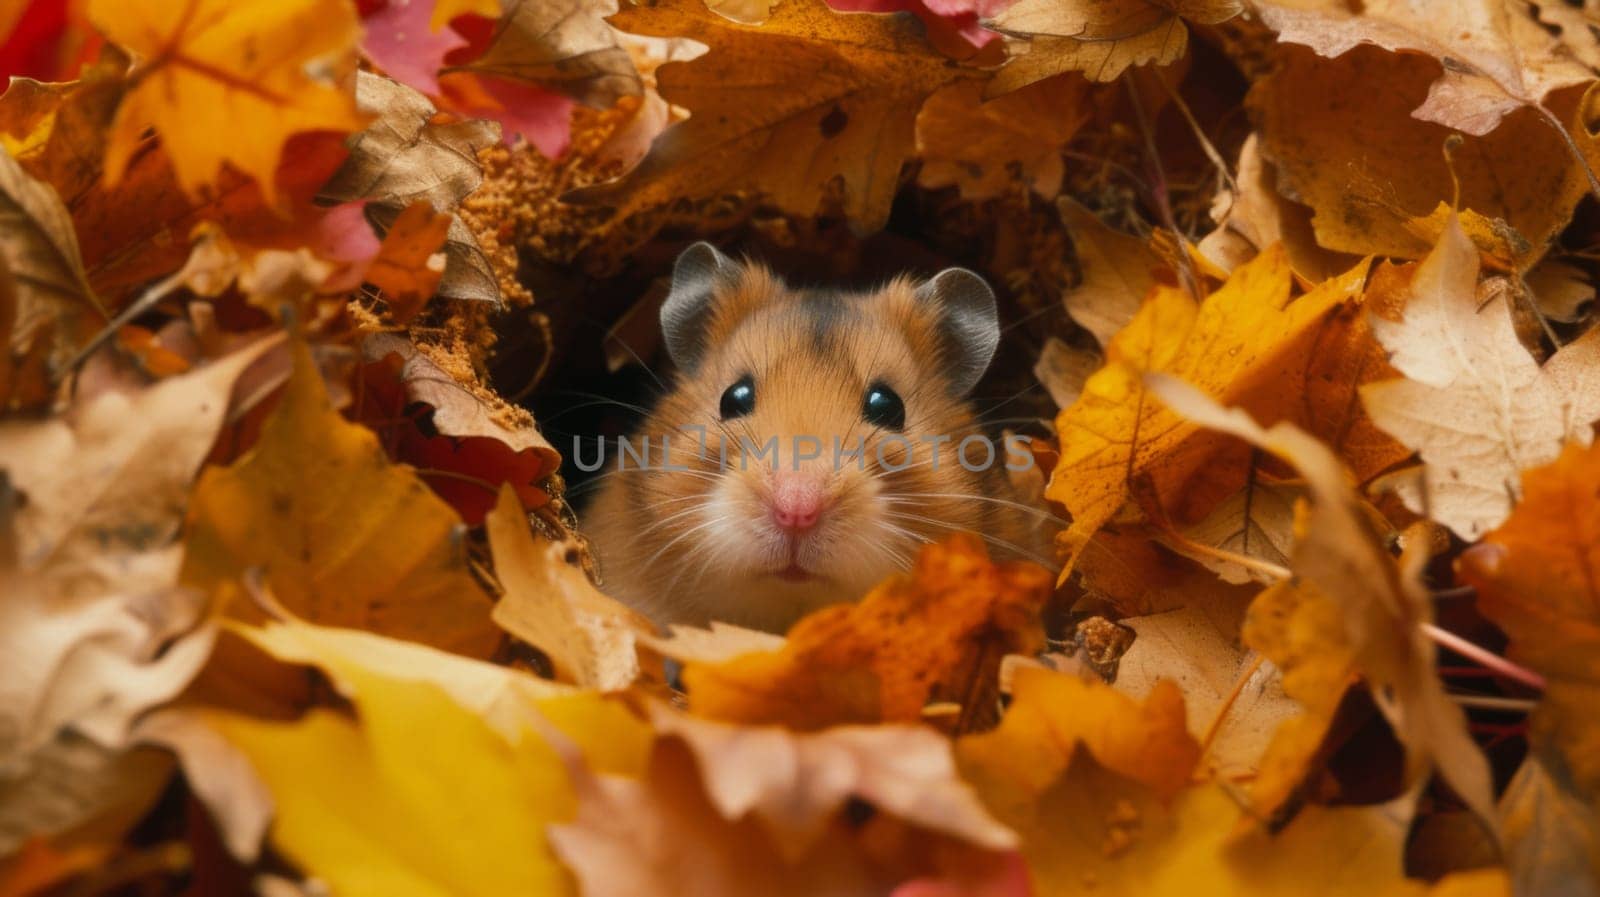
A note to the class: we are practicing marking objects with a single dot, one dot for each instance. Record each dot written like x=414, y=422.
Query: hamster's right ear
x=696, y=277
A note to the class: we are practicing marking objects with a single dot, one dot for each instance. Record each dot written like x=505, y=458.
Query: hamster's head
x=810, y=442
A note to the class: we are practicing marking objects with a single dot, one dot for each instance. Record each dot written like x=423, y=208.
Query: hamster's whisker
x=600, y=400
x=992, y=540
x=676, y=539
x=664, y=521
x=911, y=498
x=598, y=481
x=613, y=337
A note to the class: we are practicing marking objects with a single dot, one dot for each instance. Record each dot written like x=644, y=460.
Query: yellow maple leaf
x=1053, y=714
x=935, y=634
x=345, y=538
x=421, y=797
x=1120, y=817
x=228, y=81
x=1242, y=345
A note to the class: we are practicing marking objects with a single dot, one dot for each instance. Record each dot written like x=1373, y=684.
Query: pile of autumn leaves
x=267, y=537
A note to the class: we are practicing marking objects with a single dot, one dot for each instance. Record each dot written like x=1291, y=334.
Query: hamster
x=812, y=441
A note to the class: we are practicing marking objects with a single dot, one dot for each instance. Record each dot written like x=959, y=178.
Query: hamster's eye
x=883, y=408
x=739, y=399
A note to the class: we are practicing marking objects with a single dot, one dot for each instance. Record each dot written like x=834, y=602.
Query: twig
x=1158, y=192
x=1572, y=147
x=1206, y=145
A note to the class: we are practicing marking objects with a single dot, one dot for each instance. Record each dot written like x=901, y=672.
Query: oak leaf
x=560, y=45
x=1100, y=38
x=1494, y=54
x=343, y=536
x=982, y=147
x=405, y=156
x=1538, y=578
x=39, y=248
x=935, y=634
x=851, y=116
x=1243, y=344
x=225, y=82
x=1475, y=405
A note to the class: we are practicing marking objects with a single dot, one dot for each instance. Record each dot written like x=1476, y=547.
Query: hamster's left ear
x=699, y=272
x=968, y=320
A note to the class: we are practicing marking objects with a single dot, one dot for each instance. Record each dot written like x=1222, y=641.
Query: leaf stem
x=1228, y=702
x=1490, y=702
x=1493, y=661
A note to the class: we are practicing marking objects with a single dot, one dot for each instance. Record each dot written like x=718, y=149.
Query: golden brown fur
x=696, y=545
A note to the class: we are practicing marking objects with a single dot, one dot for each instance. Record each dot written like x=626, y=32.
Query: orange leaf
x=405, y=269
x=1538, y=578
x=936, y=634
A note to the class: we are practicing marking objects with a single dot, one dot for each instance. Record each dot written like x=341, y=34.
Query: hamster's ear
x=968, y=321
x=696, y=276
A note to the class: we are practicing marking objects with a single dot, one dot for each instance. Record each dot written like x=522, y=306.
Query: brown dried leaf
x=851, y=115
x=1100, y=38
x=550, y=604
x=404, y=157
x=54, y=302
x=1118, y=272
x=981, y=148
x=561, y=45
x=1495, y=56
x=1340, y=553
x=343, y=536
x=1368, y=169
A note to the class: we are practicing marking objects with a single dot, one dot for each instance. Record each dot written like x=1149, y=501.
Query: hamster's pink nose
x=796, y=503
